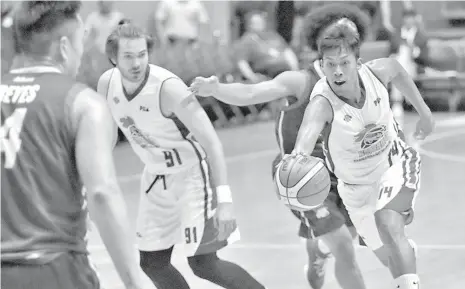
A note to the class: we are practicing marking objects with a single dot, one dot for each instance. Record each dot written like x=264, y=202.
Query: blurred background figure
x=8, y=47
x=180, y=21
x=261, y=52
x=99, y=24
x=413, y=49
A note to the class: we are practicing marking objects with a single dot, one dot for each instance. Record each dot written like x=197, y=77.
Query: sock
x=407, y=281
x=223, y=273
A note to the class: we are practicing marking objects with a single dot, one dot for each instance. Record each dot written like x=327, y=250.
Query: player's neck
x=26, y=61
x=131, y=87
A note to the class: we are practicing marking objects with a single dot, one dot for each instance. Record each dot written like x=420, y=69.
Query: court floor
x=270, y=249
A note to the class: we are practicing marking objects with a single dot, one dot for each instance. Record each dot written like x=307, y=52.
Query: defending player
x=56, y=135
x=378, y=173
x=326, y=223
x=155, y=111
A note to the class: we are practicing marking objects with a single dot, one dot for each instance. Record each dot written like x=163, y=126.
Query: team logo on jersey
x=347, y=118
x=377, y=101
x=116, y=100
x=141, y=138
x=373, y=140
x=143, y=108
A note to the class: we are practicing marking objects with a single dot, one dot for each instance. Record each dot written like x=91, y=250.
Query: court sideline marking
x=447, y=123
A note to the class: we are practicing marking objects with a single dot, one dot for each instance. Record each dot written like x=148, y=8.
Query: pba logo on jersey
x=373, y=140
x=141, y=138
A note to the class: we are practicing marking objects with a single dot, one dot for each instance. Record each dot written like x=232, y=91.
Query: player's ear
x=64, y=48
x=359, y=63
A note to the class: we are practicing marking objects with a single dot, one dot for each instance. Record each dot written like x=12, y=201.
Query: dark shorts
x=69, y=270
x=329, y=217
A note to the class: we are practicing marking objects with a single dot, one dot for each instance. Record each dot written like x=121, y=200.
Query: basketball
x=302, y=182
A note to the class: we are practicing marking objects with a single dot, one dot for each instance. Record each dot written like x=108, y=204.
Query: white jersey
x=358, y=141
x=162, y=143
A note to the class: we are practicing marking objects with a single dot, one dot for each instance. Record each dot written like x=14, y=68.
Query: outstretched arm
x=289, y=83
x=389, y=70
x=317, y=115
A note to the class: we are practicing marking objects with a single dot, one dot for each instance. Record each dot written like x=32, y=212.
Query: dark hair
x=125, y=29
x=318, y=20
x=38, y=23
x=342, y=34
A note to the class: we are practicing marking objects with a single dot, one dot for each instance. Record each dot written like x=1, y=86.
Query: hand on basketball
x=424, y=127
x=225, y=220
x=205, y=86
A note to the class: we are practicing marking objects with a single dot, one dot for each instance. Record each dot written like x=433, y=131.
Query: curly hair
x=321, y=18
x=36, y=23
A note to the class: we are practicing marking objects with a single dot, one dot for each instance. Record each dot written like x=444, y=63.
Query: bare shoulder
x=294, y=81
x=384, y=68
x=90, y=104
x=321, y=108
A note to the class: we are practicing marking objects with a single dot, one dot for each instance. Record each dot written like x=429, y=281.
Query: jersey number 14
x=10, y=143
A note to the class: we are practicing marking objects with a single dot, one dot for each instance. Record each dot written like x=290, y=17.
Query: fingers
x=225, y=229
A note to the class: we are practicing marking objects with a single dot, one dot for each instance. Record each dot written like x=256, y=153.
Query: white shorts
x=178, y=209
x=362, y=201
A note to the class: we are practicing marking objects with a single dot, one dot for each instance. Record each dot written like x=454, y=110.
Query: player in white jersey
x=329, y=224
x=182, y=200
x=378, y=173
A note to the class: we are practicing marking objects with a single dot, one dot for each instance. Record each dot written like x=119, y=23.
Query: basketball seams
x=296, y=160
x=310, y=174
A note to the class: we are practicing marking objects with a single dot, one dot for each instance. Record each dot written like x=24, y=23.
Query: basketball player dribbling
x=327, y=225
x=378, y=173
x=182, y=201
x=56, y=136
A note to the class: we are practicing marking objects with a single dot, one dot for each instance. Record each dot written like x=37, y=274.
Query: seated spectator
x=181, y=21
x=261, y=52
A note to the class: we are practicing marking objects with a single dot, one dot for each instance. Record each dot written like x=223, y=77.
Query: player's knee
x=203, y=265
x=154, y=260
x=390, y=226
x=341, y=244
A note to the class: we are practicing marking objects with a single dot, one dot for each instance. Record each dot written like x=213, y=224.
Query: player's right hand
x=205, y=86
x=225, y=220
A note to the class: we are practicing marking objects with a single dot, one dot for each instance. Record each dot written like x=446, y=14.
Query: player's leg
x=201, y=243
x=158, y=230
x=157, y=265
x=328, y=224
x=69, y=270
x=397, y=193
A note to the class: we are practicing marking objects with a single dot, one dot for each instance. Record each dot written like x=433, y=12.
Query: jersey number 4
x=10, y=142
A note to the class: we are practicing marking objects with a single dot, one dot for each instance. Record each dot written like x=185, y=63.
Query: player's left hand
x=424, y=127
x=225, y=220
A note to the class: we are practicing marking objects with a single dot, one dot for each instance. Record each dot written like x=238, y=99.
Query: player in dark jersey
x=56, y=137
x=327, y=222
